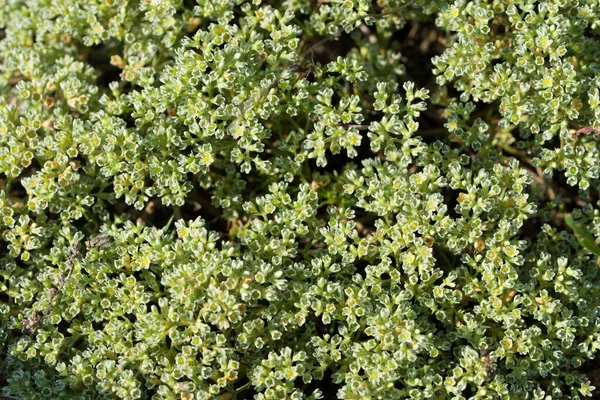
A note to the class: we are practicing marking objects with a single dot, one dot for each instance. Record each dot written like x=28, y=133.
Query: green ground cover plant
x=296, y=199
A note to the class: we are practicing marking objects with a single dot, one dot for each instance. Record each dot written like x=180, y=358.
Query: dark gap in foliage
x=530, y=321
x=129, y=121
x=566, y=195
x=531, y=229
x=130, y=317
x=449, y=260
x=569, y=195
x=247, y=394
x=150, y=393
x=498, y=26
x=326, y=49
x=594, y=193
x=328, y=388
x=88, y=224
x=365, y=222
x=335, y=99
x=321, y=329
x=452, y=92
x=150, y=304
x=339, y=163
x=98, y=325
x=335, y=162
x=110, y=189
x=294, y=274
x=98, y=57
x=364, y=150
x=3, y=377
x=399, y=385
x=432, y=120
x=430, y=126
x=198, y=203
x=80, y=161
x=419, y=41
x=189, y=4
x=16, y=186
x=256, y=185
x=495, y=62
x=322, y=213
x=451, y=200
x=486, y=112
x=592, y=370
x=4, y=250
x=120, y=207
x=469, y=391
x=360, y=266
x=590, y=33
x=305, y=70
x=439, y=325
x=63, y=327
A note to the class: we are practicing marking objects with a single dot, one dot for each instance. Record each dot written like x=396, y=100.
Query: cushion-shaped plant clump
x=229, y=199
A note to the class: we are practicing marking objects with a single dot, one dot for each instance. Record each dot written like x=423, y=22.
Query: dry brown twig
x=485, y=353
x=33, y=322
x=586, y=130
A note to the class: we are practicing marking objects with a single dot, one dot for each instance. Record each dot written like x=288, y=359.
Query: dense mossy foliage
x=294, y=199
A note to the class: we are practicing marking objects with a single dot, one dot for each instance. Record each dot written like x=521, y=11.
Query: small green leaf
x=583, y=235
